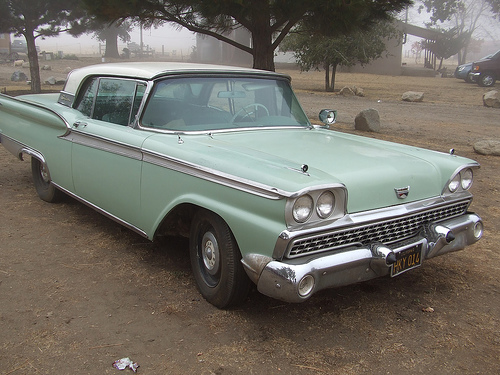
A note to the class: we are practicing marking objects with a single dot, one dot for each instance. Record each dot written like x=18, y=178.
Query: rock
x=491, y=99
x=46, y=67
x=18, y=76
x=488, y=147
x=51, y=81
x=26, y=64
x=352, y=91
x=347, y=91
x=18, y=63
x=413, y=96
x=67, y=69
x=367, y=120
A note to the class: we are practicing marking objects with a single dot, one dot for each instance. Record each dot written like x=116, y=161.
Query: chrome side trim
x=18, y=149
x=104, y=144
x=103, y=212
x=198, y=171
x=213, y=175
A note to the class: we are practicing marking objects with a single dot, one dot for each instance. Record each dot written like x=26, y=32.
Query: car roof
x=152, y=70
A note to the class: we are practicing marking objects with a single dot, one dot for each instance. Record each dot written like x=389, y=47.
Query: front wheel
x=43, y=185
x=216, y=261
x=487, y=80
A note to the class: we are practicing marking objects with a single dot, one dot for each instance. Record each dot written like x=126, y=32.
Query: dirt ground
x=78, y=291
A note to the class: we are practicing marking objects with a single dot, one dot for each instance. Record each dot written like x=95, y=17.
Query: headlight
x=461, y=181
x=454, y=184
x=325, y=204
x=302, y=208
x=466, y=176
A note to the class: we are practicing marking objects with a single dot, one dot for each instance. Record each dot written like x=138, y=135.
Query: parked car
x=463, y=71
x=18, y=46
x=227, y=157
x=486, y=71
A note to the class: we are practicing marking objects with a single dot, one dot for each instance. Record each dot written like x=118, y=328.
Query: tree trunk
x=111, y=38
x=327, y=76
x=263, y=54
x=36, y=85
x=262, y=38
x=332, y=81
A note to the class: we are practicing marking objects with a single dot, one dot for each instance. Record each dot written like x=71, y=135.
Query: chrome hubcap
x=44, y=174
x=210, y=253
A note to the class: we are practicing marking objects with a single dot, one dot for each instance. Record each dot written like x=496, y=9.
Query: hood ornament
x=303, y=169
x=402, y=193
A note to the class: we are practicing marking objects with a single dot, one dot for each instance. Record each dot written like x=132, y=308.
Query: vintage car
x=227, y=157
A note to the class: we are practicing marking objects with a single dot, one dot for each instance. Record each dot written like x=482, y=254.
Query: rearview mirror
x=328, y=116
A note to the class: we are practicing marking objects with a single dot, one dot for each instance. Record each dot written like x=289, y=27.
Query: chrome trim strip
x=208, y=174
x=18, y=149
x=103, y=212
x=104, y=144
x=213, y=175
x=218, y=131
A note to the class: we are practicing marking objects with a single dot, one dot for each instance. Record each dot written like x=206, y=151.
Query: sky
x=166, y=38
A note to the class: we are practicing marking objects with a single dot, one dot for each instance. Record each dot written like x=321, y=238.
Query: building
x=5, y=43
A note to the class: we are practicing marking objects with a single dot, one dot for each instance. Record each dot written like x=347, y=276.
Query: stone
x=413, y=96
x=488, y=147
x=367, y=120
x=46, y=67
x=18, y=63
x=26, y=64
x=68, y=69
x=347, y=91
x=352, y=91
x=18, y=76
x=491, y=99
x=51, y=81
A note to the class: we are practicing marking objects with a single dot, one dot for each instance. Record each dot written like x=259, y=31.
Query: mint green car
x=227, y=157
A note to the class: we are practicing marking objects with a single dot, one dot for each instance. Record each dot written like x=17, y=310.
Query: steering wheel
x=244, y=112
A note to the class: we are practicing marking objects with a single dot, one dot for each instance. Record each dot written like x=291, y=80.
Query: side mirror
x=328, y=116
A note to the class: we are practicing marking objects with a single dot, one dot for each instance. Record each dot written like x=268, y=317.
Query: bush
x=70, y=57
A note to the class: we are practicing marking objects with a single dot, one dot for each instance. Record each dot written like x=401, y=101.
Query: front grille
x=387, y=231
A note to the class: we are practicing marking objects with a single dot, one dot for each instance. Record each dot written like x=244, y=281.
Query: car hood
x=370, y=169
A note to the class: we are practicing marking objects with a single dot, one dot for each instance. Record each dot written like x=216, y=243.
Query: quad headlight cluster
x=462, y=180
x=316, y=206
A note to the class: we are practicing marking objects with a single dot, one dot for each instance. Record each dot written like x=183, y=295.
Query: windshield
x=208, y=104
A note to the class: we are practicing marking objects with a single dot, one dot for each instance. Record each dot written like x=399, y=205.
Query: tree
x=361, y=46
x=34, y=19
x=268, y=21
x=495, y=7
x=462, y=17
x=109, y=33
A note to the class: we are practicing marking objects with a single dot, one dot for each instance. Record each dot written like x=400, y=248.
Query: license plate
x=407, y=259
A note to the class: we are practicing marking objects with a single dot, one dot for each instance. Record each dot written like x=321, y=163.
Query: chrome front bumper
x=295, y=280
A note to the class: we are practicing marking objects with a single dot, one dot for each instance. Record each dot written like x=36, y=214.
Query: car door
x=106, y=152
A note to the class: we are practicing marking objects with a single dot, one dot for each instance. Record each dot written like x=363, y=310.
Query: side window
x=114, y=101
x=87, y=99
